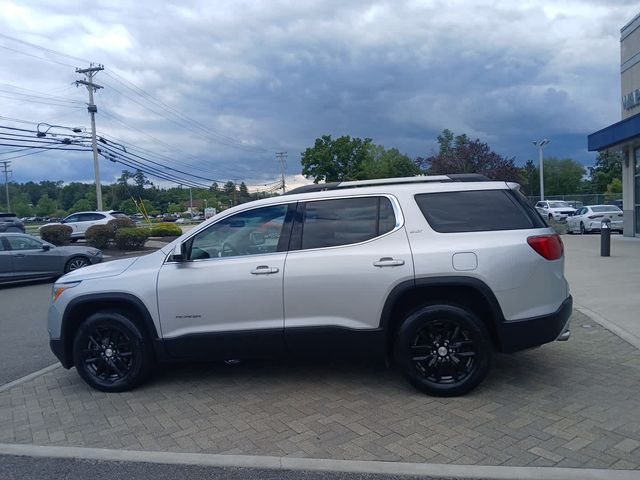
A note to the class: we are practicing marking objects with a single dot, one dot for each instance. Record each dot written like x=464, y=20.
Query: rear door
x=6, y=261
x=346, y=255
x=85, y=220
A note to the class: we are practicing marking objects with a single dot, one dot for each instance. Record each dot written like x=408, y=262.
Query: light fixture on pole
x=541, y=144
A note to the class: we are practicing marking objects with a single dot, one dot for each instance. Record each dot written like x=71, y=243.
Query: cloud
x=261, y=77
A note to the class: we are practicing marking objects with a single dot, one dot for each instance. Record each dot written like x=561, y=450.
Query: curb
x=321, y=465
x=26, y=378
x=612, y=327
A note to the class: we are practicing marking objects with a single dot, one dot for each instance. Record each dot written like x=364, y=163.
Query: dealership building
x=624, y=136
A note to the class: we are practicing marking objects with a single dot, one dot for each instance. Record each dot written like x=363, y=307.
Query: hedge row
x=120, y=231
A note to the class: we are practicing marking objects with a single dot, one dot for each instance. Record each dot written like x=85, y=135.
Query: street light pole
x=540, y=146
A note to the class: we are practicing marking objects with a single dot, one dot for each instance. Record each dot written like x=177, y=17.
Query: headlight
x=58, y=288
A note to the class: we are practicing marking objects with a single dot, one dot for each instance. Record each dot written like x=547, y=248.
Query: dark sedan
x=10, y=223
x=24, y=257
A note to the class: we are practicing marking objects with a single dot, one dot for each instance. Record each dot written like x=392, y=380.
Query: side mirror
x=179, y=253
x=46, y=247
x=257, y=238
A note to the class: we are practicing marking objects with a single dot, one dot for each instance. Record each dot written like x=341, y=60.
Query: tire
x=582, y=229
x=550, y=216
x=110, y=352
x=426, y=353
x=74, y=263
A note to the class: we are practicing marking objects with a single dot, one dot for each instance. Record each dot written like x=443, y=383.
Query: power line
x=45, y=49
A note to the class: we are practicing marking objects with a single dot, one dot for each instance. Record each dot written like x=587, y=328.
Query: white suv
x=414, y=269
x=555, y=210
x=80, y=221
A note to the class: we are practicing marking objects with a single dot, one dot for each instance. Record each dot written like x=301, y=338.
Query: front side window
x=23, y=243
x=71, y=219
x=253, y=232
x=331, y=223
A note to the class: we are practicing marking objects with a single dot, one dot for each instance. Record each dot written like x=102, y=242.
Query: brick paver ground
x=574, y=404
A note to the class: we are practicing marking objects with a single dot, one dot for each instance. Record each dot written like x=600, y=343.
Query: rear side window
x=331, y=223
x=477, y=211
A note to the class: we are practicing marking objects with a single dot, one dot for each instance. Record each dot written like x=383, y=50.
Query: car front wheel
x=443, y=350
x=110, y=352
x=75, y=263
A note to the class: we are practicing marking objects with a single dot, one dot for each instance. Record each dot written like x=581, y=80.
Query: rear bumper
x=533, y=332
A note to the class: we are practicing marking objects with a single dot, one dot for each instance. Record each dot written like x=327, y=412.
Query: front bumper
x=533, y=332
x=57, y=347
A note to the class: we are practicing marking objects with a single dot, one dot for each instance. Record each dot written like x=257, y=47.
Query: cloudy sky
x=215, y=88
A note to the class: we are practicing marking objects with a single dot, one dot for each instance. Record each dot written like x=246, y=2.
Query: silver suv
x=435, y=273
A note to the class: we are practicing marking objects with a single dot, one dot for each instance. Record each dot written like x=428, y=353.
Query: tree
x=229, y=188
x=459, y=154
x=531, y=178
x=607, y=168
x=562, y=176
x=382, y=163
x=46, y=206
x=335, y=160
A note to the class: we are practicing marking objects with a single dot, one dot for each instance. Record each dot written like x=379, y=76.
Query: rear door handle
x=388, y=262
x=264, y=270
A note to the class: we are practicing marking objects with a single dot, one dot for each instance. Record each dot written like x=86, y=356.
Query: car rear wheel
x=75, y=263
x=110, y=353
x=443, y=350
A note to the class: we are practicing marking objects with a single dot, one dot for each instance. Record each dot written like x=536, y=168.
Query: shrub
x=131, y=238
x=56, y=234
x=166, y=229
x=98, y=236
x=118, y=223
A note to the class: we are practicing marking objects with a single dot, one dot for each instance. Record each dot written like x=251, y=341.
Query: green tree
x=562, y=176
x=335, y=160
x=531, y=178
x=46, y=206
x=608, y=166
x=383, y=163
x=81, y=205
x=615, y=186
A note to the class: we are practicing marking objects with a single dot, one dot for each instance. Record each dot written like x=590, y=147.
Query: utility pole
x=92, y=87
x=6, y=170
x=282, y=158
x=190, y=203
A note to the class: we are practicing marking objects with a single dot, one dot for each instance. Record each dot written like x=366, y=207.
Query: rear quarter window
x=477, y=211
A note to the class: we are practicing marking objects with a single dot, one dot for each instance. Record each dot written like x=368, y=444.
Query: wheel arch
x=80, y=308
x=466, y=292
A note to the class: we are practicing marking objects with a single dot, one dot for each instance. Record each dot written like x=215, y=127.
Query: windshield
x=558, y=205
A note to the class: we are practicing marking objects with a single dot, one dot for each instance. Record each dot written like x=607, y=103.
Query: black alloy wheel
x=110, y=352
x=443, y=350
x=75, y=263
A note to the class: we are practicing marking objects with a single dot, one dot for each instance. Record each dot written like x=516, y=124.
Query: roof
x=322, y=187
x=616, y=134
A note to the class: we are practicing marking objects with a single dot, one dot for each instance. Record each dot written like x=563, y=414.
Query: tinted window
x=71, y=219
x=118, y=215
x=23, y=243
x=252, y=232
x=606, y=208
x=330, y=223
x=477, y=211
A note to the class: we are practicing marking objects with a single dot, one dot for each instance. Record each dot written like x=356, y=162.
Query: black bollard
x=605, y=238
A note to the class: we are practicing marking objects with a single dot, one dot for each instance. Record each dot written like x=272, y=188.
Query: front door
x=30, y=259
x=6, y=261
x=225, y=300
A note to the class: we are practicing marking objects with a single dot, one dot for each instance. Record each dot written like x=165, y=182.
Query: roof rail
x=457, y=177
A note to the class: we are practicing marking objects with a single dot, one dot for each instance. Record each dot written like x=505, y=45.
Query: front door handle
x=264, y=270
x=388, y=262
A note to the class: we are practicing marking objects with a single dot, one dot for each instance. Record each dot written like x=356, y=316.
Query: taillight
x=548, y=246
x=595, y=216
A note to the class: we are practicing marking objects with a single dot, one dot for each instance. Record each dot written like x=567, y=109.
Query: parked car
x=617, y=203
x=421, y=270
x=80, y=221
x=9, y=222
x=25, y=257
x=555, y=210
x=588, y=219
